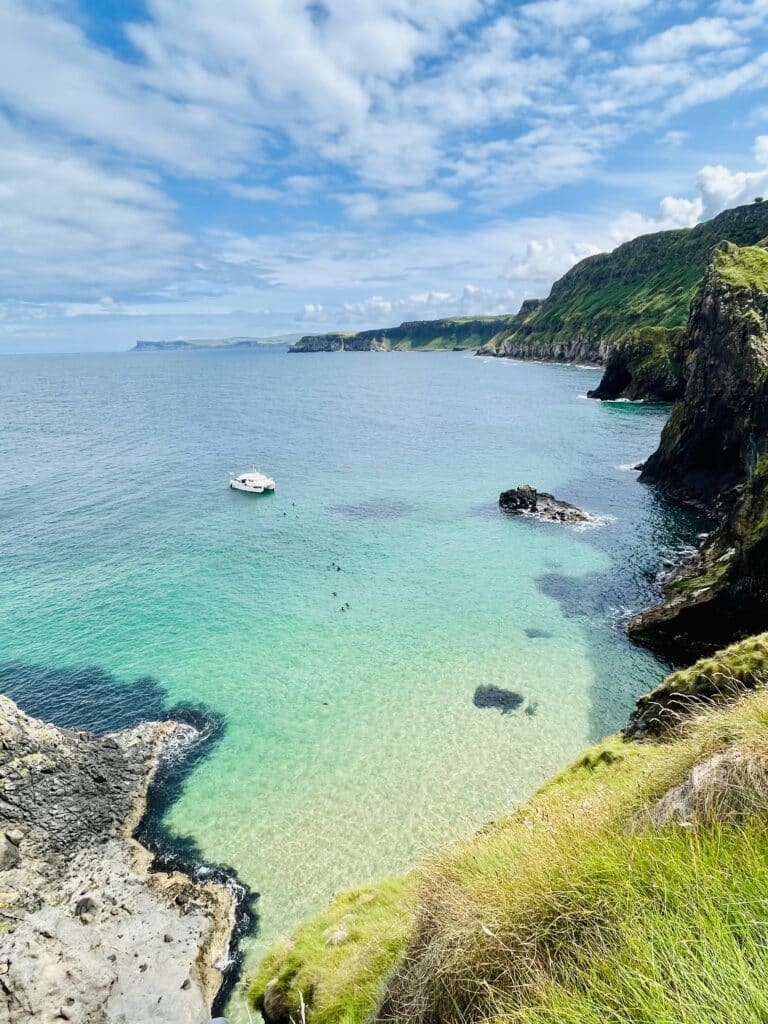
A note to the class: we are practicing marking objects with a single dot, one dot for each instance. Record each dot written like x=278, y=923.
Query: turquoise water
x=132, y=577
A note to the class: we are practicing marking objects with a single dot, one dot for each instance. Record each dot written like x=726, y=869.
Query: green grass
x=337, y=963
x=743, y=267
x=573, y=909
x=671, y=927
x=465, y=332
x=540, y=911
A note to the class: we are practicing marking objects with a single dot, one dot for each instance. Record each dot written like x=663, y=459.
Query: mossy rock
x=710, y=681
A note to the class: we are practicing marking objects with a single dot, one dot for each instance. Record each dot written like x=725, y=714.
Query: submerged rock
x=526, y=500
x=494, y=697
x=90, y=933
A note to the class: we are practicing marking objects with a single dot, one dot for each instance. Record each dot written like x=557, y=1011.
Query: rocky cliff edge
x=88, y=933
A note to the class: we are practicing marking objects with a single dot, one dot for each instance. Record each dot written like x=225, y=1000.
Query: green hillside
x=648, y=282
x=459, y=332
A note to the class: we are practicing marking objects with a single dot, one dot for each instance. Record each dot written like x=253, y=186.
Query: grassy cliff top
x=648, y=281
x=627, y=889
x=743, y=267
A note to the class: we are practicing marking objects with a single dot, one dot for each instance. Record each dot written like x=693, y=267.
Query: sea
x=349, y=633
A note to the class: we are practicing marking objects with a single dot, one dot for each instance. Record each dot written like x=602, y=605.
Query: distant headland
x=276, y=341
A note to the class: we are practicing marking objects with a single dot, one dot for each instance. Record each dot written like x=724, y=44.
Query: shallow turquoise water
x=129, y=569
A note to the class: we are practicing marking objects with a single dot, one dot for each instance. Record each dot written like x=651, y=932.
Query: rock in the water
x=526, y=500
x=79, y=903
x=495, y=697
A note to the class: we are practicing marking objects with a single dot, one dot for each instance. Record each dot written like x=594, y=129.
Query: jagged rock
x=647, y=364
x=526, y=500
x=10, y=856
x=716, y=434
x=712, y=454
x=72, y=800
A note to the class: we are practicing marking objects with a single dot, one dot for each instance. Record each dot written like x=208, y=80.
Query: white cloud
x=720, y=187
x=673, y=212
x=255, y=193
x=678, y=41
x=674, y=137
x=546, y=260
x=70, y=227
x=415, y=203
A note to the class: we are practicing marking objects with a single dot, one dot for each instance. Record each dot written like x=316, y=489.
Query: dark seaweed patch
x=384, y=508
x=538, y=634
x=82, y=696
x=494, y=697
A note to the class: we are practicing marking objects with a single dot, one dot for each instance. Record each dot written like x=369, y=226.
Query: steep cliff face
x=647, y=364
x=718, y=432
x=428, y=335
x=648, y=282
x=723, y=594
x=712, y=454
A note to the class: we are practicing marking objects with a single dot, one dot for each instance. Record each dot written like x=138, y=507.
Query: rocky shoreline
x=90, y=931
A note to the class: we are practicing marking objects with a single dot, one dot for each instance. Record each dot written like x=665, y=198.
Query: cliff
x=712, y=454
x=424, y=335
x=629, y=886
x=647, y=282
x=88, y=932
x=647, y=364
x=717, y=433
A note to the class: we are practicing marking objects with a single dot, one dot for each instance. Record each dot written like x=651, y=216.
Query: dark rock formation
x=90, y=934
x=717, y=433
x=495, y=697
x=526, y=500
x=713, y=455
x=647, y=364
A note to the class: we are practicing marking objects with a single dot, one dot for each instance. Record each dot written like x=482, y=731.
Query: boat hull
x=250, y=490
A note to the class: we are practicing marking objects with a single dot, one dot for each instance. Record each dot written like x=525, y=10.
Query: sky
x=189, y=168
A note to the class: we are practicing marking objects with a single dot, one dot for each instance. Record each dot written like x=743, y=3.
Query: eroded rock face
x=526, y=500
x=712, y=454
x=717, y=433
x=648, y=364
x=87, y=934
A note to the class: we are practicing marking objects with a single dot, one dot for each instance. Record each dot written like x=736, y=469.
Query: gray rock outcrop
x=88, y=934
x=526, y=500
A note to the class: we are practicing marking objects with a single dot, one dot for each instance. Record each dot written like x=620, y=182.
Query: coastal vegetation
x=712, y=455
x=450, y=333
x=645, y=364
x=647, y=282
x=630, y=888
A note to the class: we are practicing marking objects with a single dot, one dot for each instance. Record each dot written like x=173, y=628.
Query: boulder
x=526, y=500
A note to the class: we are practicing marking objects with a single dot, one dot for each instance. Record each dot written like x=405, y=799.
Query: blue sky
x=184, y=168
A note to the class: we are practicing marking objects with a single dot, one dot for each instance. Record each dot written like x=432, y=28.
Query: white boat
x=253, y=482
